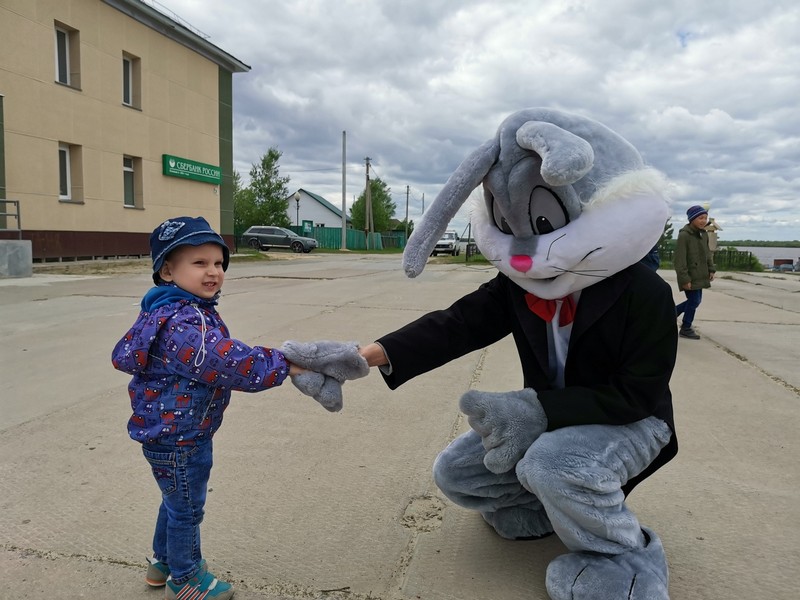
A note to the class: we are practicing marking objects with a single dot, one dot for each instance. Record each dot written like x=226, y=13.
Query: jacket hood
x=168, y=293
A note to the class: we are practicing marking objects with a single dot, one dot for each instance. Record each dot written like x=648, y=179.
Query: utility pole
x=344, y=190
x=367, y=206
x=406, y=213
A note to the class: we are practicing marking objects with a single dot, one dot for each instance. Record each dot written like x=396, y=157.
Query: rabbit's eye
x=499, y=219
x=546, y=211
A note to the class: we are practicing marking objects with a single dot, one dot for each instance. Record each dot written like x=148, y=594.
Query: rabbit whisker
x=586, y=272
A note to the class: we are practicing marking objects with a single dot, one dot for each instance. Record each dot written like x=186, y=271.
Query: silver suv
x=262, y=237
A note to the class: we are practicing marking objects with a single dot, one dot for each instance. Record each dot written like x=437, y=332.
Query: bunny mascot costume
x=568, y=210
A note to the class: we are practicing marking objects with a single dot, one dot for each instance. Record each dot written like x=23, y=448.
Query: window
x=132, y=182
x=64, y=179
x=70, y=173
x=127, y=81
x=127, y=182
x=67, y=55
x=131, y=81
x=62, y=56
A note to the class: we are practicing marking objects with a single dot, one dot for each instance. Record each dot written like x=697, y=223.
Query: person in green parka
x=694, y=265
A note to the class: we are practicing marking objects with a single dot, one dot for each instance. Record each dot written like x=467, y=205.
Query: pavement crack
x=51, y=555
x=285, y=591
x=794, y=389
x=748, y=299
x=425, y=513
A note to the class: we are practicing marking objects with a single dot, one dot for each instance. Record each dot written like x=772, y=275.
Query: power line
x=313, y=170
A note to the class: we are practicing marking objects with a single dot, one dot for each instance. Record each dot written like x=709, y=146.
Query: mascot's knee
x=439, y=470
x=543, y=470
x=462, y=460
x=444, y=470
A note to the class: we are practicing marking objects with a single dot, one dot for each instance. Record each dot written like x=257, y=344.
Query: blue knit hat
x=183, y=231
x=694, y=212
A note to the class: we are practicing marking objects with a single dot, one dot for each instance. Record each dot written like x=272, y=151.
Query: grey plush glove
x=339, y=360
x=508, y=423
x=325, y=390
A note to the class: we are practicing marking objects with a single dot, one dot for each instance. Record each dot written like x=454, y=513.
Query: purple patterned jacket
x=185, y=365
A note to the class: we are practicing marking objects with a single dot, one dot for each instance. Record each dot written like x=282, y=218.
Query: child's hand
x=295, y=370
x=340, y=360
x=329, y=365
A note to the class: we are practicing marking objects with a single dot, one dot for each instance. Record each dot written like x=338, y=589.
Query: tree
x=269, y=192
x=665, y=242
x=383, y=207
x=243, y=206
x=395, y=225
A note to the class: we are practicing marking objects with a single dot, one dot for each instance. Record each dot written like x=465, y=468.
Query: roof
x=325, y=203
x=180, y=32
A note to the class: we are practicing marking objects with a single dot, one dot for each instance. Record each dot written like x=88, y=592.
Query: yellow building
x=113, y=117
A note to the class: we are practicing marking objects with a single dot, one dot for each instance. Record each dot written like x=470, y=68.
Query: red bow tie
x=546, y=309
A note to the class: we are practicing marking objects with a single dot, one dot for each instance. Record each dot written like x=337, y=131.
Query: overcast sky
x=709, y=92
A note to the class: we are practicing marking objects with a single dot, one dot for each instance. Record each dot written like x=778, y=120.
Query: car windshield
x=449, y=236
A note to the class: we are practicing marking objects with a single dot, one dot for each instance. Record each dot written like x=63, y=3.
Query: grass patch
x=249, y=255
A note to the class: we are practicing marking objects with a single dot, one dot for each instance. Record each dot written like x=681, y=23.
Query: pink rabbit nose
x=521, y=263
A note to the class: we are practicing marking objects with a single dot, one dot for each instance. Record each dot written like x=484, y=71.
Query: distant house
x=314, y=208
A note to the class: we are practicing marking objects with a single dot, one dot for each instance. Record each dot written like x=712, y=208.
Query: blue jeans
x=182, y=475
x=688, y=307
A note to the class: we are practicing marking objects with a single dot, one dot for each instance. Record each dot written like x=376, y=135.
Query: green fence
x=725, y=259
x=730, y=259
x=331, y=238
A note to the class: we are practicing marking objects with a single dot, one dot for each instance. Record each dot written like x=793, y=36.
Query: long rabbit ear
x=455, y=192
x=565, y=156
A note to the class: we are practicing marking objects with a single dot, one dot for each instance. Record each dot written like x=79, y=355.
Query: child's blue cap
x=183, y=231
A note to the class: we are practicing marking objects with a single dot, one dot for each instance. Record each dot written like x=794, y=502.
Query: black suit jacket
x=621, y=351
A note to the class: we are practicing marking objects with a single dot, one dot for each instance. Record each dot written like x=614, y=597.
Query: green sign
x=175, y=166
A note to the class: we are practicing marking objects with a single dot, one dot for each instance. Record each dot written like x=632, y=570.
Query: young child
x=694, y=267
x=184, y=365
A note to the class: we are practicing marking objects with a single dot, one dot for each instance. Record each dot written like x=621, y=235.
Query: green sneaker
x=203, y=585
x=157, y=573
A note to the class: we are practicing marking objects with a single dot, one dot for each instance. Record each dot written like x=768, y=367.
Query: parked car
x=261, y=237
x=447, y=244
x=785, y=268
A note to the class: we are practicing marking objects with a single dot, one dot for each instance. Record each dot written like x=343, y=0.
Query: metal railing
x=14, y=215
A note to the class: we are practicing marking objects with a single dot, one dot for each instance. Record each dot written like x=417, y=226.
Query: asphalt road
x=309, y=504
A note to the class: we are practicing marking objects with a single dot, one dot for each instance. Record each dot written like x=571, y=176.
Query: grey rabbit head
x=566, y=202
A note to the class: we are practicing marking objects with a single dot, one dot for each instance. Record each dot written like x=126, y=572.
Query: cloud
x=706, y=91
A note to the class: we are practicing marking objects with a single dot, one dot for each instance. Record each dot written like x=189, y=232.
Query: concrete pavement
x=309, y=504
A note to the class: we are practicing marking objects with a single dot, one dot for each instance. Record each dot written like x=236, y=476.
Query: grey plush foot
x=634, y=575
